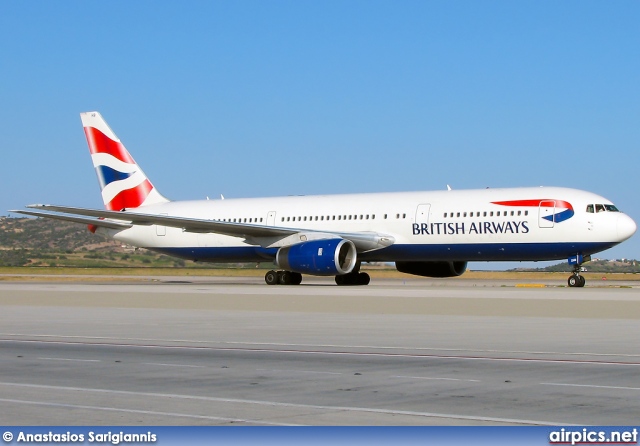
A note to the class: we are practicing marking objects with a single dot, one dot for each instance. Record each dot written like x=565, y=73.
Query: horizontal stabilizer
x=77, y=219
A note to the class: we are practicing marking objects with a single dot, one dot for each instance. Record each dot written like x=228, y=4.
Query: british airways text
x=483, y=227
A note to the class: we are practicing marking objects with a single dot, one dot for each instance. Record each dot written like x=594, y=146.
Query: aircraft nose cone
x=626, y=227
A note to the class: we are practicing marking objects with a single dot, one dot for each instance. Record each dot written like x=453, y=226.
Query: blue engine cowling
x=329, y=257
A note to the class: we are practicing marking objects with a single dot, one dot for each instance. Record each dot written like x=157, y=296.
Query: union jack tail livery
x=123, y=184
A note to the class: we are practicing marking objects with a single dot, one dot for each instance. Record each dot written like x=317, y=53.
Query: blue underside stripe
x=460, y=252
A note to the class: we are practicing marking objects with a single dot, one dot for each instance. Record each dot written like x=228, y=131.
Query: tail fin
x=124, y=185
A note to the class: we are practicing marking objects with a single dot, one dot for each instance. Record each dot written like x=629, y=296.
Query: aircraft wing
x=271, y=236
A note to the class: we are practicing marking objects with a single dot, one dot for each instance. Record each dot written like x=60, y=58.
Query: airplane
x=429, y=234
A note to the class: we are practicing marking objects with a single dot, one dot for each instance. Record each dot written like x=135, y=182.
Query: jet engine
x=328, y=257
x=432, y=269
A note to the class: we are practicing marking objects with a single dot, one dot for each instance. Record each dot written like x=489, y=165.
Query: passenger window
x=590, y=208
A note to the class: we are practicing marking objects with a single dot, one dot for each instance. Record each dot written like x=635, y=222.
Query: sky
x=255, y=98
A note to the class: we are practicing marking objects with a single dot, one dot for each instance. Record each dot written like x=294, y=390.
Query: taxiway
x=235, y=351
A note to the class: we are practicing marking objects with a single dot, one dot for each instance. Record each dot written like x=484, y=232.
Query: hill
x=595, y=266
x=43, y=242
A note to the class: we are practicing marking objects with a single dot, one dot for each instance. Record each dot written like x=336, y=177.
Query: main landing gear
x=353, y=279
x=283, y=278
x=291, y=278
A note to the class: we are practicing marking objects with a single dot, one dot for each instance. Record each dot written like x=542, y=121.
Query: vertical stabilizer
x=123, y=184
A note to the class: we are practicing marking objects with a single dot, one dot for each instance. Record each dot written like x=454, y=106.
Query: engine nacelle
x=432, y=269
x=329, y=257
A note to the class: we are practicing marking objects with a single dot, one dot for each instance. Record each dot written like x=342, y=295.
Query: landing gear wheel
x=576, y=281
x=284, y=278
x=296, y=278
x=271, y=278
x=363, y=279
x=353, y=279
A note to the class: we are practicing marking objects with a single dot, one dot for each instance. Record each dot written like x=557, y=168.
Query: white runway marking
x=299, y=371
x=145, y=412
x=293, y=345
x=591, y=386
x=334, y=353
x=279, y=404
x=175, y=365
x=438, y=379
x=71, y=359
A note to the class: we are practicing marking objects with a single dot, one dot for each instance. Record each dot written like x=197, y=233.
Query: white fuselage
x=543, y=223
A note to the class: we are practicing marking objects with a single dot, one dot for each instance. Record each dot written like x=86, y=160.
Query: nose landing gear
x=575, y=279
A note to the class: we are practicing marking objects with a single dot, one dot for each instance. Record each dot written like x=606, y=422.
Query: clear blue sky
x=264, y=98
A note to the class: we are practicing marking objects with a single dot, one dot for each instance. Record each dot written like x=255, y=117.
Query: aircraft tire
x=364, y=279
x=284, y=278
x=576, y=281
x=296, y=278
x=271, y=278
x=353, y=279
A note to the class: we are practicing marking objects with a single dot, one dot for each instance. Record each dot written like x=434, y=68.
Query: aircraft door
x=422, y=213
x=161, y=231
x=271, y=218
x=546, y=212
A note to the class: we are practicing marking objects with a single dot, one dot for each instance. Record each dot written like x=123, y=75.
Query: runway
x=219, y=351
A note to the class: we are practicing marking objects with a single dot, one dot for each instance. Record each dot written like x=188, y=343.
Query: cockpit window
x=601, y=208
